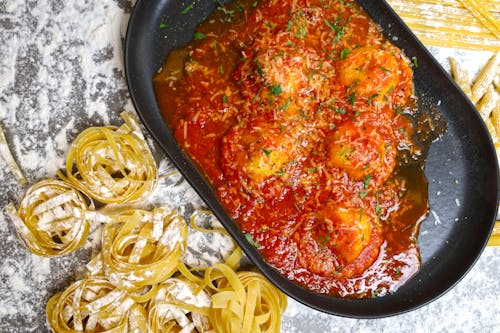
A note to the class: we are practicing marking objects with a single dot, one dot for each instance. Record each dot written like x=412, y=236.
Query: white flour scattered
x=61, y=71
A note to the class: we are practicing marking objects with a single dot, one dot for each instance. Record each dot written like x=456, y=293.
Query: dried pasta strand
x=466, y=24
x=203, y=212
x=180, y=306
x=52, y=219
x=461, y=76
x=95, y=305
x=495, y=117
x=141, y=248
x=488, y=102
x=112, y=164
x=483, y=15
x=495, y=236
x=492, y=130
x=244, y=301
x=496, y=83
x=9, y=159
x=485, y=78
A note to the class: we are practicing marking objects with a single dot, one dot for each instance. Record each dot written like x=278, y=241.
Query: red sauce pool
x=298, y=114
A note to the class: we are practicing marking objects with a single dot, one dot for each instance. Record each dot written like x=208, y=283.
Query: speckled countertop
x=61, y=70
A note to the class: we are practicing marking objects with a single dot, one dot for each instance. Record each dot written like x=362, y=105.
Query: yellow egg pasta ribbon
x=112, y=164
x=9, y=159
x=95, y=305
x=243, y=301
x=141, y=249
x=52, y=219
x=178, y=306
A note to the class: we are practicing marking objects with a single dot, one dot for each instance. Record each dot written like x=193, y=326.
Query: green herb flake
x=378, y=210
x=403, y=131
x=250, y=240
x=187, y=9
x=415, y=61
x=366, y=181
x=221, y=69
x=163, y=25
x=199, y=35
x=346, y=151
x=339, y=110
x=352, y=98
x=329, y=25
x=276, y=90
x=344, y=53
x=267, y=152
x=332, y=126
x=280, y=173
x=363, y=194
x=254, y=4
x=224, y=99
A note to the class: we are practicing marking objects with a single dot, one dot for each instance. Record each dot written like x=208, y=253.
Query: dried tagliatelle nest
x=52, y=219
x=138, y=282
x=95, y=305
x=112, y=164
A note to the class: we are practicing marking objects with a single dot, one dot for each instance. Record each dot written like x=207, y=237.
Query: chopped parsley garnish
x=338, y=30
x=269, y=24
x=199, y=35
x=332, y=126
x=403, y=131
x=276, y=90
x=352, y=98
x=280, y=173
x=221, y=69
x=344, y=53
x=188, y=8
x=163, y=25
x=255, y=3
x=329, y=25
x=346, y=151
x=363, y=194
x=265, y=151
x=250, y=240
x=224, y=99
x=339, y=110
x=415, y=61
x=366, y=181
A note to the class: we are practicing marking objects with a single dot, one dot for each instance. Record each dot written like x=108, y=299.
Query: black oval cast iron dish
x=461, y=166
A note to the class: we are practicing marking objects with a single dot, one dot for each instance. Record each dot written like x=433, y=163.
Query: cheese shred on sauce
x=298, y=112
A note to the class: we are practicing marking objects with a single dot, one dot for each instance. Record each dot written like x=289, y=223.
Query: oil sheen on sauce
x=301, y=116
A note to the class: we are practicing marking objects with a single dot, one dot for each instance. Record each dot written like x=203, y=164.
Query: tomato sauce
x=299, y=114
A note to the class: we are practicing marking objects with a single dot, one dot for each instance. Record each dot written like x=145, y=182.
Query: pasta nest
x=112, y=164
x=95, y=305
x=142, y=248
x=52, y=219
x=244, y=301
